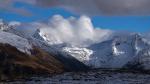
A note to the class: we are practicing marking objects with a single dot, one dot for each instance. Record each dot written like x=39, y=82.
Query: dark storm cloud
x=92, y=7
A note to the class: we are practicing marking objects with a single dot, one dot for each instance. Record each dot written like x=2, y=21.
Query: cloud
x=101, y=7
x=8, y=5
x=14, y=23
x=88, y=7
x=79, y=32
x=74, y=31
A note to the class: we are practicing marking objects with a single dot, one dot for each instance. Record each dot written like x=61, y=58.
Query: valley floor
x=91, y=77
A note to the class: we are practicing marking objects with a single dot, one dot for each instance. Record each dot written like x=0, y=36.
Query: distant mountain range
x=23, y=54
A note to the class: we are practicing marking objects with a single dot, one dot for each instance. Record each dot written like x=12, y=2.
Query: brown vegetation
x=15, y=64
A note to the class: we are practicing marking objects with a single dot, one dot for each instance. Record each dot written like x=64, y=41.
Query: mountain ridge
x=122, y=51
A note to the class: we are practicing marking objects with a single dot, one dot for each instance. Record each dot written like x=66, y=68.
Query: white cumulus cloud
x=75, y=31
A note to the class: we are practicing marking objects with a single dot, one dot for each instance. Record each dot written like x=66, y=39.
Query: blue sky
x=128, y=23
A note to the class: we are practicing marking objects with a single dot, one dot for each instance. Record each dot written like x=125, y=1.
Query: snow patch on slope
x=16, y=41
x=82, y=54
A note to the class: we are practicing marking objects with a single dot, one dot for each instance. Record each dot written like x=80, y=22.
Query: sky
x=126, y=15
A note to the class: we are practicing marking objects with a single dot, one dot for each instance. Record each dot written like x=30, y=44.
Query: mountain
x=20, y=58
x=41, y=35
x=71, y=63
x=24, y=53
x=25, y=44
x=118, y=52
x=3, y=25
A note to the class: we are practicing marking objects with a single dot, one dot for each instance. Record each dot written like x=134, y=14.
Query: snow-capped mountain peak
x=3, y=25
x=43, y=36
x=114, y=53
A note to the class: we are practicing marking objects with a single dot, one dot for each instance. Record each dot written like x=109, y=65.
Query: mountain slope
x=120, y=51
x=20, y=43
x=16, y=64
x=70, y=63
x=115, y=53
